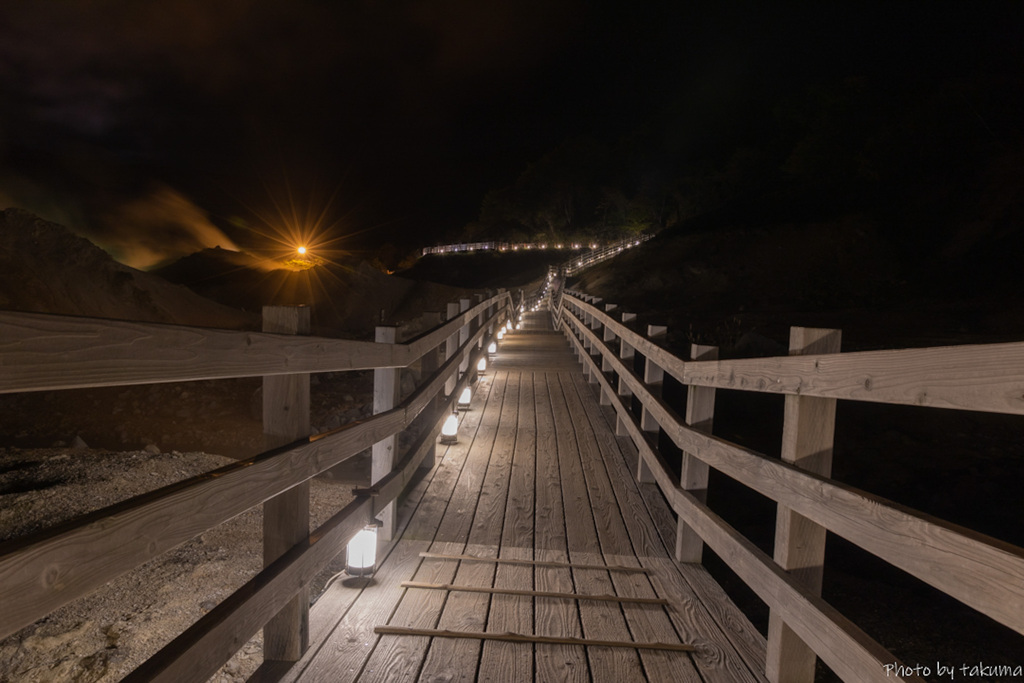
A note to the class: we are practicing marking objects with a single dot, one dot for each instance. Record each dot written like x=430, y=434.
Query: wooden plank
x=336, y=599
x=626, y=354
x=385, y=395
x=41, y=572
x=353, y=651
x=720, y=610
x=539, y=563
x=654, y=377
x=521, y=638
x=807, y=437
x=466, y=611
x=395, y=658
x=582, y=519
x=451, y=587
x=982, y=572
x=286, y=515
x=647, y=347
x=197, y=653
x=711, y=620
x=616, y=544
x=984, y=377
x=46, y=352
x=847, y=650
x=553, y=617
x=112, y=541
x=434, y=338
x=509, y=613
x=700, y=413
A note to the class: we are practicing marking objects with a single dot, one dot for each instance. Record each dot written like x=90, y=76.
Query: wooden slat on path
x=534, y=510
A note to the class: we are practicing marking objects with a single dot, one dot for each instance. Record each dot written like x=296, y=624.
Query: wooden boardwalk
x=538, y=476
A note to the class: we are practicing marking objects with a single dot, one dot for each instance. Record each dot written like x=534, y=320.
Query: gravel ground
x=105, y=635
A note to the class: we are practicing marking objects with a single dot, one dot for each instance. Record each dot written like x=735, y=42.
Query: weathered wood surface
x=984, y=377
x=197, y=653
x=502, y=660
x=807, y=441
x=286, y=515
x=700, y=414
x=982, y=572
x=45, y=352
x=716, y=659
x=42, y=572
x=618, y=546
x=348, y=622
x=533, y=486
x=720, y=611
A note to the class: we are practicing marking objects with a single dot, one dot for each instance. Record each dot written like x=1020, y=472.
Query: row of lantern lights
x=450, y=428
x=361, y=553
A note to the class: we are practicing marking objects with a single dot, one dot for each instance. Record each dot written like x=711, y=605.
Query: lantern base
x=449, y=440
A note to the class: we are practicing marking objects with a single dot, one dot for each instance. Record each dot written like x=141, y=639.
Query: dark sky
x=160, y=127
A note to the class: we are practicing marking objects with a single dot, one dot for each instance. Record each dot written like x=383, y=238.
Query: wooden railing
x=41, y=572
x=598, y=254
x=982, y=572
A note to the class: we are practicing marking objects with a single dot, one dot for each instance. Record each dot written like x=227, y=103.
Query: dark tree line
x=923, y=159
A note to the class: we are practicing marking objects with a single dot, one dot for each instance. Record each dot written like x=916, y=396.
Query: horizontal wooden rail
x=982, y=572
x=196, y=654
x=43, y=352
x=982, y=377
x=46, y=570
x=847, y=649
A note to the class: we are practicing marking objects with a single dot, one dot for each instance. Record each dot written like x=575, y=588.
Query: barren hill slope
x=45, y=268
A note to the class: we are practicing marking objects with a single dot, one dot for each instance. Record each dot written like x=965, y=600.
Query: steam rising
x=157, y=227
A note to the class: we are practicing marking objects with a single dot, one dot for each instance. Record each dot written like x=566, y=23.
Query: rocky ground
x=67, y=453
x=105, y=635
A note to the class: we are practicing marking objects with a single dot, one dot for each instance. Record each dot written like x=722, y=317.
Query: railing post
x=464, y=336
x=478, y=298
x=700, y=412
x=286, y=516
x=385, y=395
x=606, y=364
x=450, y=345
x=594, y=324
x=654, y=375
x=807, y=435
x=626, y=353
x=428, y=366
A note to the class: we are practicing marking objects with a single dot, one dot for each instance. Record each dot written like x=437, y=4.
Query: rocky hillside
x=348, y=296
x=46, y=268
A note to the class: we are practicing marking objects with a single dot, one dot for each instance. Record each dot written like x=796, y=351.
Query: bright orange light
x=302, y=251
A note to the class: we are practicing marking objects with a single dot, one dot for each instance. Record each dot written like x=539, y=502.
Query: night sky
x=159, y=128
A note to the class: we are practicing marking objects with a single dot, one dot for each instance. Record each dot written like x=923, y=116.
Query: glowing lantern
x=482, y=365
x=519, y=326
x=501, y=334
x=464, y=398
x=361, y=557
x=450, y=429
x=493, y=346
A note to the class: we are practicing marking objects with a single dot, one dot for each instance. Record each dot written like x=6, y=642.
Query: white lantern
x=482, y=365
x=464, y=398
x=361, y=557
x=493, y=346
x=501, y=334
x=450, y=430
x=519, y=326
